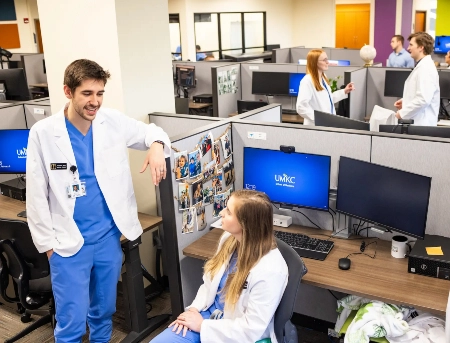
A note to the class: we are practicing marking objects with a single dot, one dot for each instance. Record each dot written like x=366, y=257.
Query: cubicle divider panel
x=190, y=268
x=247, y=76
x=177, y=124
x=281, y=55
x=338, y=72
x=311, y=140
x=226, y=85
x=358, y=98
x=427, y=157
x=351, y=55
x=375, y=89
x=34, y=68
x=270, y=113
x=12, y=117
x=301, y=53
x=35, y=111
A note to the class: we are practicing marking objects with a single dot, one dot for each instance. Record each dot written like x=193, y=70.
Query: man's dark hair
x=400, y=38
x=425, y=40
x=81, y=70
x=198, y=47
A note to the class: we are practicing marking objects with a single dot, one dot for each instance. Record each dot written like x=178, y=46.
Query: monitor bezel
x=287, y=204
x=9, y=171
x=380, y=224
x=178, y=68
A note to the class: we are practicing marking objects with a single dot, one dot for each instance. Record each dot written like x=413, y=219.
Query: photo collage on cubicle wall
x=227, y=81
x=204, y=180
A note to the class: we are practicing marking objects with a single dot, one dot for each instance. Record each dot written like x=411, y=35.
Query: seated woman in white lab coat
x=243, y=282
x=314, y=93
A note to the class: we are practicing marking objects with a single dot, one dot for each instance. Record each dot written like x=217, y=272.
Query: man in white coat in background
x=421, y=94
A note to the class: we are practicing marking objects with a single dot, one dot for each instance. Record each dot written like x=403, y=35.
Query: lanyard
x=329, y=95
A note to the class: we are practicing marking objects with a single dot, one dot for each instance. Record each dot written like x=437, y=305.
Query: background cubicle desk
x=383, y=278
x=198, y=108
x=132, y=279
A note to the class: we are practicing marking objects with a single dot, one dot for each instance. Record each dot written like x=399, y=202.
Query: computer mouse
x=344, y=263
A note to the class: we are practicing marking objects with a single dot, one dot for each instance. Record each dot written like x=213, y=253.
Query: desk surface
x=39, y=85
x=198, y=105
x=10, y=207
x=291, y=118
x=383, y=278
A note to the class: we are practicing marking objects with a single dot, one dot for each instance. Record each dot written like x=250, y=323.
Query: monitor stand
x=22, y=214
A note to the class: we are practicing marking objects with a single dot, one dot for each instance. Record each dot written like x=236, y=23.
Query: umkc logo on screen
x=22, y=153
x=280, y=180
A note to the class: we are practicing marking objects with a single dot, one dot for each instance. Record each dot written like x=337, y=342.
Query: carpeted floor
x=10, y=324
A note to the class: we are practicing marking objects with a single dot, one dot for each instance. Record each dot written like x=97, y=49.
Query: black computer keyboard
x=306, y=246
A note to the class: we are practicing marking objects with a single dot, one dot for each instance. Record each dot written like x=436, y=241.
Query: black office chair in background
x=30, y=273
x=285, y=331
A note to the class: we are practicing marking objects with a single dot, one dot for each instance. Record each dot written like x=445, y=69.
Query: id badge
x=76, y=189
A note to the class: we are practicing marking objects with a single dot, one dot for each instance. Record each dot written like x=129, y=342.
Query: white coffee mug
x=400, y=247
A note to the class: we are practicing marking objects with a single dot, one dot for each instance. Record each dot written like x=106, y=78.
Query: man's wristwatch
x=160, y=142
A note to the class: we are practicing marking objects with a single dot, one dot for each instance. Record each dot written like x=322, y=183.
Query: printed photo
x=218, y=205
x=226, y=146
x=206, y=144
x=215, y=153
x=187, y=224
x=184, y=197
x=208, y=196
x=226, y=196
x=233, y=71
x=228, y=173
x=217, y=182
x=228, y=75
x=195, y=165
x=209, y=170
x=201, y=218
x=181, y=165
x=197, y=192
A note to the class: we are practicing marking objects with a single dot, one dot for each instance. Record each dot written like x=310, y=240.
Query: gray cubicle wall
x=351, y=55
x=35, y=111
x=375, y=89
x=270, y=114
x=281, y=55
x=178, y=124
x=358, y=98
x=226, y=89
x=301, y=53
x=34, y=68
x=190, y=269
x=425, y=156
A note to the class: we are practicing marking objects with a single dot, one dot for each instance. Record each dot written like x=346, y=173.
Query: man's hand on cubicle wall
x=398, y=104
x=157, y=162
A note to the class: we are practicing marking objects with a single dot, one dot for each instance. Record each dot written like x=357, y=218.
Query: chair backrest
x=182, y=105
x=17, y=232
x=296, y=269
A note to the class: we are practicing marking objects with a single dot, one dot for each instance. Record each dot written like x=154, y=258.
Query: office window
x=232, y=33
x=175, y=36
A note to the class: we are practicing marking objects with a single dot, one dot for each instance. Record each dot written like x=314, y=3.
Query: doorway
x=352, y=26
x=37, y=25
x=420, y=21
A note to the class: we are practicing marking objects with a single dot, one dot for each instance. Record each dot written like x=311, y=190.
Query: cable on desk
x=317, y=226
x=363, y=253
x=332, y=218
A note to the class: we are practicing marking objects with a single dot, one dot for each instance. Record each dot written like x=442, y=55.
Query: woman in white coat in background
x=315, y=93
x=243, y=282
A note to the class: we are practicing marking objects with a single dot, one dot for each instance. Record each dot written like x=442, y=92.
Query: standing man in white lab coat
x=421, y=94
x=80, y=199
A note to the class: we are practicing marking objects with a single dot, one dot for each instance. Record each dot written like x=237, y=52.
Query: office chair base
x=40, y=322
x=153, y=324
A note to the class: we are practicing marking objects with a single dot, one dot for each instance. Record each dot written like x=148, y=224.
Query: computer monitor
x=302, y=62
x=13, y=151
x=391, y=198
x=15, y=84
x=294, y=83
x=270, y=83
x=290, y=179
x=246, y=105
x=394, y=82
x=430, y=131
x=339, y=62
x=330, y=120
x=444, y=84
x=185, y=76
x=441, y=44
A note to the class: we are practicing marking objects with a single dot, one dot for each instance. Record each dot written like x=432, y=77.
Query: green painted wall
x=442, y=15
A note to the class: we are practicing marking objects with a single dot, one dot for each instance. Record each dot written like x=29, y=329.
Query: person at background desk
x=80, y=231
x=421, y=93
x=243, y=282
x=314, y=93
x=200, y=55
x=447, y=59
x=399, y=58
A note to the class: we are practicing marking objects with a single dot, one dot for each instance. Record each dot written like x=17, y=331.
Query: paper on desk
x=381, y=116
x=434, y=251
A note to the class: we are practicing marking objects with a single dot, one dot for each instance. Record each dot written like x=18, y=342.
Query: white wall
x=25, y=9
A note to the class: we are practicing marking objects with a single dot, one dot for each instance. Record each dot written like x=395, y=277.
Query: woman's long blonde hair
x=312, y=60
x=255, y=215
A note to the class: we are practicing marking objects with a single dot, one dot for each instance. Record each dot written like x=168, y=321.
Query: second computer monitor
x=430, y=131
x=15, y=84
x=394, y=82
x=330, y=120
x=185, y=76
x=444, y=84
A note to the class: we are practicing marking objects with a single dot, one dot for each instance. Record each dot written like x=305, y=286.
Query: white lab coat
x=49, y=210
x=421, y=94
x=253, y=315
x=310, y=100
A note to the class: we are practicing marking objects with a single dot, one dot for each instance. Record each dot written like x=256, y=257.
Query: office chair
x=182, y=105
x=285, y=331
x=30, y=272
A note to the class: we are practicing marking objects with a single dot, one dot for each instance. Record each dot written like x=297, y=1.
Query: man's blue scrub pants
x=85, y=284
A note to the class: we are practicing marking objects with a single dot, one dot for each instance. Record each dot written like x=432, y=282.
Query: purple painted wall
x=407, y=10
x=384, y=29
